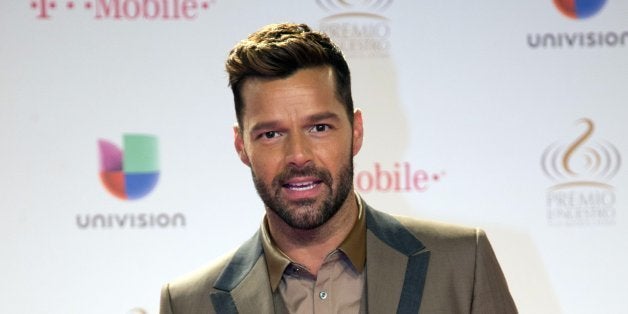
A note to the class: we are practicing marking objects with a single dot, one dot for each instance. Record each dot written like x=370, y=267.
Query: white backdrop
x=466, y=97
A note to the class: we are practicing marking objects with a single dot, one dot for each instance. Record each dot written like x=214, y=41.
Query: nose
x=298, y=150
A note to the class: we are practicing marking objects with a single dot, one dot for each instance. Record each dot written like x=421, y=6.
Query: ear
x=238, y=142
x=358, y=131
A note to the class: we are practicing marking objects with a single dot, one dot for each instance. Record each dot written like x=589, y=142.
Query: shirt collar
x=353, y=246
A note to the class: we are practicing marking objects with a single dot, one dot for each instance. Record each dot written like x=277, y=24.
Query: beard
x=307, y=214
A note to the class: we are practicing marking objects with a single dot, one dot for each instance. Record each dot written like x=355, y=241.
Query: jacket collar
x=396, y=269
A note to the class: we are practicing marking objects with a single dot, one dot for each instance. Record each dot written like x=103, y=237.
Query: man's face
x=299, y=143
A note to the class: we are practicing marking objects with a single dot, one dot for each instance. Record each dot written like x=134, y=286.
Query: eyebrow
x=323, y=116
x=264, y=126
x=310, y=120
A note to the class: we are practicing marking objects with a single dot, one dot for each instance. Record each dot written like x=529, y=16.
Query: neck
x=310, y=247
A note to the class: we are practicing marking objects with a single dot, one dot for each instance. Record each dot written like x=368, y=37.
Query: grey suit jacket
x=412, y=266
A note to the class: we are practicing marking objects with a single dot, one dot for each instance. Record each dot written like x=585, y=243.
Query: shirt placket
x=323, y=293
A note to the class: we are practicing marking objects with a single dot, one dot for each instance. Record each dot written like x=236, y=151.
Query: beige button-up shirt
x=339, y=285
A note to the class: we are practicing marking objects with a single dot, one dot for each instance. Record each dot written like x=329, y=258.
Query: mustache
x=291, y=172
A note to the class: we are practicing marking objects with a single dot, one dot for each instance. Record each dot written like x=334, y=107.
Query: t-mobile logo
x=127, y=9
x=43, y=6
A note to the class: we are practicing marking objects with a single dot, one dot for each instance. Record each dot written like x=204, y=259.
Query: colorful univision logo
x=132, y=172
x=579, y=9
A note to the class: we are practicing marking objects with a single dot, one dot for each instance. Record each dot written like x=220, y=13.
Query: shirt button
x=323, y=295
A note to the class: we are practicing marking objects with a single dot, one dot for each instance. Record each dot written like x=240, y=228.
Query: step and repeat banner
x=118, y=171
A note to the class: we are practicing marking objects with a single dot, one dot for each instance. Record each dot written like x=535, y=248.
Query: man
x=321, y=248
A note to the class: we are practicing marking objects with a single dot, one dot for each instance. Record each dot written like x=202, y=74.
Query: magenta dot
x=34, y=5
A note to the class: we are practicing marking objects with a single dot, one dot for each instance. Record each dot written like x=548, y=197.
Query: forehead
x=305, y=91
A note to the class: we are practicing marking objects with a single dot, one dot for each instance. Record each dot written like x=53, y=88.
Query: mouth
x=302, y=185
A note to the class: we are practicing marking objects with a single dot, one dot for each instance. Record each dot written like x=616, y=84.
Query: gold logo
x=581, y=169
x=584, y=162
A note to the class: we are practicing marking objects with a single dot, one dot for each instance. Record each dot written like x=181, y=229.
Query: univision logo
x=132, y=172
x=579, y=9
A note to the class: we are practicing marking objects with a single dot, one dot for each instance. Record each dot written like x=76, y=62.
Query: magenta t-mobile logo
x=152, y=10
x=43, y=6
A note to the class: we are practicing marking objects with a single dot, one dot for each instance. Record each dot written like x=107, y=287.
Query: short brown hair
x=279, y=50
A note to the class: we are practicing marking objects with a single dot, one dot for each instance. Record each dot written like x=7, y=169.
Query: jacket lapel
x=243, y=285
x=396, y=265
x=396, y=268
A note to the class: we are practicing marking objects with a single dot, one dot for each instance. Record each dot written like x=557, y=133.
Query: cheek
x=264, y=165
x=335, y=155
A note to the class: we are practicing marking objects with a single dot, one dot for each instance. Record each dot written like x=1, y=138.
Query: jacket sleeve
x=490, y=290
x=164, y=305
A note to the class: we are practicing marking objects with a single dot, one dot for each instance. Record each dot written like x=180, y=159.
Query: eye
x=320, y=128
x=270, y=134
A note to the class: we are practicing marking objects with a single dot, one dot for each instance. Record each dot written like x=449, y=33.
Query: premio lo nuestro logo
x=581, y=170
x=358, y=27
x=579, y=9
x=360, y=5
x=132, y=172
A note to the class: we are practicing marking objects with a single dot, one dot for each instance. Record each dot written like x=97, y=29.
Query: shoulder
x=190, y=293
x=435, y=236
x=462, y=271
x=451, y=246
x=434, y=232
x=202, y=278
x=196, y=285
